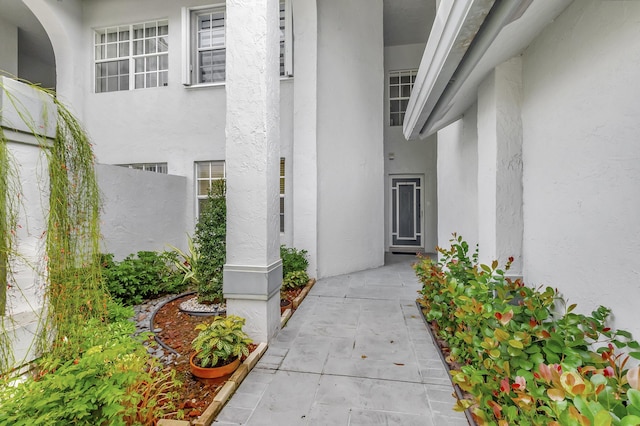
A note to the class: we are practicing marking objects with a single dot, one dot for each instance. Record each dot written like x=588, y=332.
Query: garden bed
x=176, y=331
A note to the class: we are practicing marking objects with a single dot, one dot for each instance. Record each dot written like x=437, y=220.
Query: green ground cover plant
x=523, y=354
x=111, y=381
x=141, y=276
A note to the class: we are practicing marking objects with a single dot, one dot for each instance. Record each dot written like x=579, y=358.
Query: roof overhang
x=468, y=39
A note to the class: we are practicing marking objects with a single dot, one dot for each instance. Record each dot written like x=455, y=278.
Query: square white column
x=253, y=272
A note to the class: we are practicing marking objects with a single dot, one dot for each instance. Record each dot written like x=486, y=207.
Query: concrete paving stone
x=444, y=408
x=232, y=415
x=285, y=336
x=360, y=417
x=323, y=415
x=382, y=293
x=381, y=348
x=287, y=401
x=314, y=373
x=307, y=358
x=310, y=330
x=435, y=376
x=276, y=351
x=440, y=393
x=354, y=392
x=442, y=420
x=245, y=399
x=358, y=367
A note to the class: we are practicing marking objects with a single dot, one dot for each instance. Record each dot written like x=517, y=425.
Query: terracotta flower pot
x=213, y=372
x=284, y=305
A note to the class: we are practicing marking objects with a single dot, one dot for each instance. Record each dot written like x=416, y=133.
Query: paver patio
x=356, y=352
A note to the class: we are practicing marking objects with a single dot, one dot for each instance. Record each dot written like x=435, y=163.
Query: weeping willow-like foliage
x=74, y=292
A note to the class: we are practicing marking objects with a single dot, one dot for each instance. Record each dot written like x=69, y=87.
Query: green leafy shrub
x=210, y=242
x=221, y=341
x=141, y=276
x=524, y=356
x=293, y=260
x=295, y=279
x=112, y=380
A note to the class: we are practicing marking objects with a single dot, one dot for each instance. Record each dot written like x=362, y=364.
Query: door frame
x=406, y=248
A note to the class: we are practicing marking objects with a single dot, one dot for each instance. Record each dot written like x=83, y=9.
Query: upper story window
x=131, y=56
x=205, y=44
x=400, y=86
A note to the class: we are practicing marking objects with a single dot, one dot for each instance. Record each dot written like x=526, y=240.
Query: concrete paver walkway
x=356, y=352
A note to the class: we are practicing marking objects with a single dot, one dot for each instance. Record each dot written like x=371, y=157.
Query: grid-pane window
x=132, y=56
x=282, y=194
x=211, y=46
x=149, y=167
x=400, y=86
x=207, y=61
x=207, y=172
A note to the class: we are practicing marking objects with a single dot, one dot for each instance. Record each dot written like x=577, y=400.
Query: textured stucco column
x=500, y=223
x=253, y=272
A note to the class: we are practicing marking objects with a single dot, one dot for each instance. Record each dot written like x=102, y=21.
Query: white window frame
x=162, y=168
x=140, y=69
x=197, y=179
x=189, y=42
x=402, y=98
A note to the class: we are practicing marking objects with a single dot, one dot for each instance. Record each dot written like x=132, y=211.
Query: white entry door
x=406, y=213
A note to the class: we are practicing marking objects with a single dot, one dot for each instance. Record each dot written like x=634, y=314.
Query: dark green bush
x=293, y=260
x=140, y=276
x=210, y=241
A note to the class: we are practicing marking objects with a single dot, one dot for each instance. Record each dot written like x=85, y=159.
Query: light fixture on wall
x=392, y=156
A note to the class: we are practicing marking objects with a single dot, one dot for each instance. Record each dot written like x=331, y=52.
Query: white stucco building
x=521, y=129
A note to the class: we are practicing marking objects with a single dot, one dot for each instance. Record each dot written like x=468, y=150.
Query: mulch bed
x=177, y=331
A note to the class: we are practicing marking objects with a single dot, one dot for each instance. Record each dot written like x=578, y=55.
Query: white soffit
x=448, y=79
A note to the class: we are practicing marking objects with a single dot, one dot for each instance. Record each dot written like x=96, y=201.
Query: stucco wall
x=173, y=124
x=141, y=210
x=409, y=157
x=8, y=48
x=25, y=293
x=582, y=158
x=350, y=136
x=458, y=180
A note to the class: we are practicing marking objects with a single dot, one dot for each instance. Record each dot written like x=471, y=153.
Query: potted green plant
x=218, y=347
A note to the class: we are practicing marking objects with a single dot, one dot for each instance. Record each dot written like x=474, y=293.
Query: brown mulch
x=178, y=330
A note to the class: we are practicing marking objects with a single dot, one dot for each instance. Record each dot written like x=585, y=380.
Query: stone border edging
x=303, y=293
x=153, y=316
x=223, y=395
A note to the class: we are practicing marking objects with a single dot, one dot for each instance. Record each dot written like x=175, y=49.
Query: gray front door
x=406, y=213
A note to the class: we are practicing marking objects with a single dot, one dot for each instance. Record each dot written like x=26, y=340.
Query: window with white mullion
x=400, y=86
x=207, y=172
x=211, y=46
x=204, y=43
x=132, y=56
